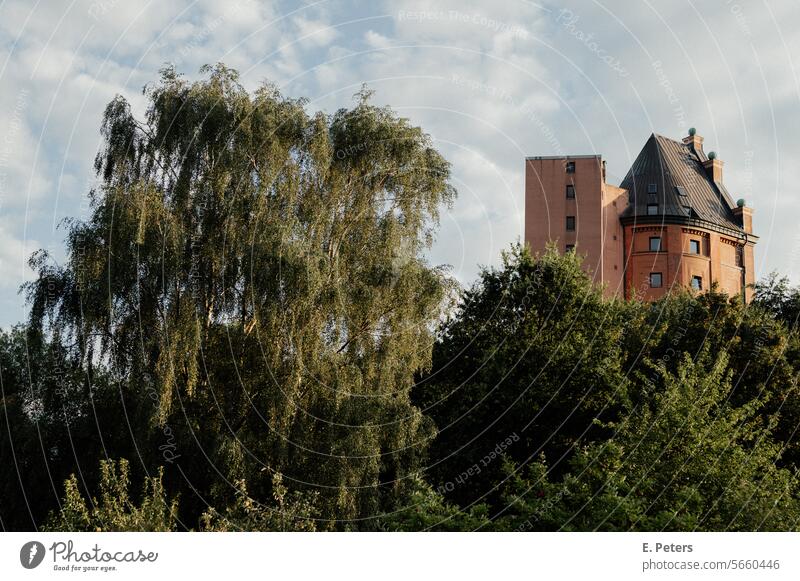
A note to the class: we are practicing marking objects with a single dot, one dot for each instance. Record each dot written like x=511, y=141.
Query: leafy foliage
x=503, y=369
x=257, y=271
x=116, y=510
x=421, y=508
x=777, y=297
x=678, y=415
x=687, y=460
x=56, y=416
x=292, y=511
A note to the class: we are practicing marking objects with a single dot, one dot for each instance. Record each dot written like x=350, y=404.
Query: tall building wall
x=614, y=202
x=571, y=192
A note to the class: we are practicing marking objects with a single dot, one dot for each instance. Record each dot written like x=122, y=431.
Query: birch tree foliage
x=253, y=275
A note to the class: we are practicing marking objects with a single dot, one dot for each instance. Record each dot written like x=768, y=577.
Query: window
x=655, y=280
x=652, y=188
x=652, y=198
x=570, y=167
x=652, y=209
x=694, y=246
x=688, y=210
x=681, y=191
x=570, y=223
x=697, y=282
x=655, y=244
x=570, y=248
x=570, y=192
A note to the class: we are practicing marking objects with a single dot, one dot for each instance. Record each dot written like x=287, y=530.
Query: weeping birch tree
x=253, y=277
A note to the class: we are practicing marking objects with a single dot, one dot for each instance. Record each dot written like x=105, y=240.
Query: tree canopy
x=252, y=278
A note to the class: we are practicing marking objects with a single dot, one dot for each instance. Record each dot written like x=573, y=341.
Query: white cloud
x=314, y=32
x=376, y=40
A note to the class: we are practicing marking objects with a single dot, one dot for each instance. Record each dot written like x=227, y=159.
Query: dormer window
x=652, y=188
x=652, y=209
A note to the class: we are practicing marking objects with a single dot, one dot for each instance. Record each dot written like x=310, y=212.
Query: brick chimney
x=694, y=141
x=744, y=216
x=713, y=167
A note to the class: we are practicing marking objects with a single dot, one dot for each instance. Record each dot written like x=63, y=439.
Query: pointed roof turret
x=673, y=175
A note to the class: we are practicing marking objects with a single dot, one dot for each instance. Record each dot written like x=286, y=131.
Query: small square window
x=688, y=210
x=570, y=248
x=655, y=244
x=570, y=223
x=694, y=246
x=655, y=280
x=652, y=188
x=697, y=282
x=681, y=191
x=652, y=209
x=570, y=192
x=570, y=167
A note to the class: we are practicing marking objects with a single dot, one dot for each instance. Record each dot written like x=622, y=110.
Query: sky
x=491, y=82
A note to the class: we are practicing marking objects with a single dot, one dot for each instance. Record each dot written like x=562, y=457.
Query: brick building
x=671, y=222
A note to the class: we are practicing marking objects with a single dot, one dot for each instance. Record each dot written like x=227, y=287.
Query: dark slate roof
x=675, y=167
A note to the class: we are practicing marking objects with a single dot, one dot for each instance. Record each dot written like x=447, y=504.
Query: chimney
x=694, y=141
x=744, y=216
x=713, y=167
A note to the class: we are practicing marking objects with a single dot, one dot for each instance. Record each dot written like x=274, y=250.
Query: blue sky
x=491, y=82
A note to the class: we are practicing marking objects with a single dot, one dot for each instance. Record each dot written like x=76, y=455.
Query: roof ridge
x=659, y=136
x=663, y=158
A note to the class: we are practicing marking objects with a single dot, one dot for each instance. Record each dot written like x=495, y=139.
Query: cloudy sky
x=491, y=82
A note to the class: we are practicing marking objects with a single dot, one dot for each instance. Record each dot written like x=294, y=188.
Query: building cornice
x=688, y=222
x=564, y=157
